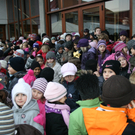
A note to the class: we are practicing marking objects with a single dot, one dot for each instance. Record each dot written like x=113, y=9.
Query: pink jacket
x=34, y=53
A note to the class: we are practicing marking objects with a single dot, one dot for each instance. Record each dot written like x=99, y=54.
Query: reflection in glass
x=26, y=27
x=11, y=30
x=117, y=17
x=68, y=3
x=35, y=25
x=55, y=5
x=91, y=18
x=10, y=11
x=34, y=7
x=71, y=20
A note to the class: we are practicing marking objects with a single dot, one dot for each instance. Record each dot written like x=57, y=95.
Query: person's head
x=119, y=56
x=40, y=60
x=35, y=46
x=55, y=92
x=68, y=71
x=110, y=68
x=68, y=46
x=87, y=84
x=21, y=94
x=30, y=44
x=133, y=50
x=91, y=65
x=75, y=42
x=93, y=44
x=120, y=47
x=53, y=39
x=25, y=45
x=103, y=36
x=45, y=40
x=45, y=48
x=47, y=73
x=97, y=31
x=132, y=78
x=117, y=91
x=123, y=35
x=68, y=37
x=92, y=36
x=59, y=48
x=35, y=66
x=3, y=64
x=16, y=64
x=101, y=46
x=50, y=58
x=39, y=88
x=19, y=53
x=86, y=32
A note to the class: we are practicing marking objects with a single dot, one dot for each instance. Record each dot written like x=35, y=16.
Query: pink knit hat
x=54, y=92
x=29, y=77
x=40, y=84
x=93, y=44
x=119, y=46
x=68, y=69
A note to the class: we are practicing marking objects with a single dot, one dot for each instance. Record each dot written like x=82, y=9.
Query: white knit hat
x=45, y=39
x=19, y=53
x=24, y=88
x=3, y=63
x=77, y=34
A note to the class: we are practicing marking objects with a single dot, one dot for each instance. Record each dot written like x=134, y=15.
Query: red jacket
x=43, y=55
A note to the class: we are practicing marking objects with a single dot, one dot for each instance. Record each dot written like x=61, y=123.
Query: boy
x=132, y=59
x=97, y=31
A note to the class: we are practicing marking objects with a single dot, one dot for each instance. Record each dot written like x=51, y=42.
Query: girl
x=25, y=109
x=52, y=63
x=35, y=49
x=59, y=52
x=43, y=51
x=68, y=71
x=38, y=90
x=25, y=47
x=57, y=112
x=103, y=53
x=40, y=60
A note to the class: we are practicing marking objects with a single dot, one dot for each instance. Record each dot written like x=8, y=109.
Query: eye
x=23, y=94
x=17, y=95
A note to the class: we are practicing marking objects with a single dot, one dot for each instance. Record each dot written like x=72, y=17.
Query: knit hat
x=24, y=41
x=101, y=42
x=53, y=38
x=77, y=34
x=34, y=65
x=19, y=53
x=35, y=45
x=40, y=84
x=123, y=32
x=40, y=43
x=3, y=63
x=118, y=55
x=45, y=39
x=21, y=38
x=1, y=53
x=83, y=43
x=31, y=43
x=86, y=30
x=113, y=65
x=29, y=62
x=50, y=55
x=68, y=69
x=118, y=91
x=119, y=46
x=7, y=126
x=62, y=36
x=69, y=45
x=54, y=92
x=47, y=73
x=130, y=43
x=29, y=77
x=17, y=63
x=24, y=88
x=91, y=65
x=68, y=34
x=58, y=46
x=93, y=44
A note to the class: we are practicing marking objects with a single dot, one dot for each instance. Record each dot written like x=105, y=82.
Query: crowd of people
x=68, y=85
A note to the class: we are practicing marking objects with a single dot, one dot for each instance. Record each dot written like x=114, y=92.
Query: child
x=40, y=60
x=57, y=112
x=59, y=52
x=103, y=53
x=43, y=51
x=35, y=49
x=25, y=108
x=86, y=34
x=68, y=71
x=45, y=40
x=132, y=59
x=52, y=63
x=97, y=31
x=116, y=116
x=52, y=44
x=68, y=37
x=123, y=36
x=87, y=85
x=38, y=90
x=35, y=66
x=25, y=47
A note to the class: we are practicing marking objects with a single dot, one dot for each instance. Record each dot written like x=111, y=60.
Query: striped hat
x=40, y=84
x=7, y=126
x=54, y=92
x=119, y=46
x=101, y=42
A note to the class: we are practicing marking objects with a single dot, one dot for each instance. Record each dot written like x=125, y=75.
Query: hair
x=88, y=87
x=25, y=44
x=97, y=28
x=103, y=36
x=103, y=54
x=61, y=42
x=76, y=41
x=42, y=99
x=132, y=78
x=45, y=48
x=40, y=56
x=86, y=72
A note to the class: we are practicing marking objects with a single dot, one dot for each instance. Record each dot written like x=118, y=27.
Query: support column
x=133, y=17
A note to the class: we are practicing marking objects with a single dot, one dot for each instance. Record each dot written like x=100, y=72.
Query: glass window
x=11, y=30
x=84, y=1
x=68, y=3
x=26, y=28
x=117, y=17
x=54, y=5
x=35, y=25
x=16, y=10
x=25, y=9
x=71, y=20
x=56, y=24
x=91, y=18
x=10, y=11
x=34, y=7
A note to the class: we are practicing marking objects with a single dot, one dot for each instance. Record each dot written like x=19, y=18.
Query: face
x=36, y=94
x=35, y=49
x=11, y=71
x=62, y=100
x=98, y=32
x=75, y=46
x=125, y=49
x=133, y=51
x=50, y=60
x=69, y=78
x=24, y=46
x=66, y=49
x=60, y=50
x=107, y=73
x=36, y=71
x=20, y=99
x=40, y=61
x=122, y=38
x=68, y=38
x=123, y=62
x=91, y=37
x=85, y=33
x=53, y=41
x=102, y=48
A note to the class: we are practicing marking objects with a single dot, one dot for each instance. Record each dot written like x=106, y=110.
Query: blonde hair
x=25, y=44
x=132, y=78
x=45, y=48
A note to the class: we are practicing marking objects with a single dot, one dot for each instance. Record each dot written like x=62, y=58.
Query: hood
x=92, y=49
x=105, y=120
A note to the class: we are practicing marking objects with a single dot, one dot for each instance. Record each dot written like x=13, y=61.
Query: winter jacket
x=132, y=62
x=76, y=121
x=109, y=46
x=108, y=121
x=27, y=114
x=43, y=55
x=72, y=95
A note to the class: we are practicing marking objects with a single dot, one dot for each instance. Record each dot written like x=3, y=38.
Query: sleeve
x=7, y=51
x=39, y=52
x=131, y=114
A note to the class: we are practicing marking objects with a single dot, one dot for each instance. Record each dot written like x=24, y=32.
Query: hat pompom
x=31, y=72
x=21, y=80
